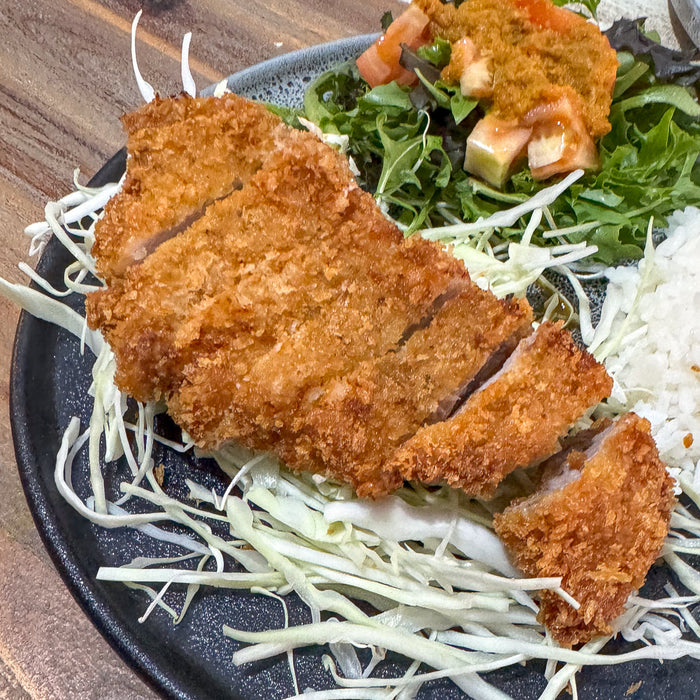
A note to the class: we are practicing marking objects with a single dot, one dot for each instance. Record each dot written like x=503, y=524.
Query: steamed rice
x=649, y=339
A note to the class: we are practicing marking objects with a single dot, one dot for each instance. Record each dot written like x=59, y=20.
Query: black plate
x=193, y=660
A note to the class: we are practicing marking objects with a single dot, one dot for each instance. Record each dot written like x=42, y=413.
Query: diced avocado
x=493, y=149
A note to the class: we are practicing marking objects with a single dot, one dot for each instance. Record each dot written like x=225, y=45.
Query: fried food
x=241, y=274
x=292, y=316
x=598, y=521
x=280, y=286
x=390, y=287
x=356, y=421
x=183, y=154
x=514, y=420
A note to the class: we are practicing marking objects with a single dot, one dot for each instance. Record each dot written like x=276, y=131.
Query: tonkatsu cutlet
x=300, y=262
x=514, y=420
x=252, y=266
x=162, y=111
x=598, y=520
x=391, y=286
x=350, y=426
x=292, y=316
x=180, y=160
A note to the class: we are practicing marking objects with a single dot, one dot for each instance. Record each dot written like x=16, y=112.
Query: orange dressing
x=539, y=53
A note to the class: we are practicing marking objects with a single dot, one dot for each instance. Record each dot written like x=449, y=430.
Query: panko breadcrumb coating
x=183, y=154
x=278, y=288
x=292, y=316
x=251, y=267
x=598, y=521
x=514, y=420
x=357, y=420
x=390, y=286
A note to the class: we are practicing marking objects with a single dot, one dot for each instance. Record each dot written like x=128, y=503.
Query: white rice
x=649, y=338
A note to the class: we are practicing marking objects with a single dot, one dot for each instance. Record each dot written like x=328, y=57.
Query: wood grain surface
x=65, y=78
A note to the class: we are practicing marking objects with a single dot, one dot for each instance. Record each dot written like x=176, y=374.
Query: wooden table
x=65, y=78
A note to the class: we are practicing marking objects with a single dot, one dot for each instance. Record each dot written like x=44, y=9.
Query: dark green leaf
x=673, y=95
x=391, y=95
x=629, y=35
x=610, y=199
x=438, y=52
x=412, y=61
x=387, y=19
x=628, y=75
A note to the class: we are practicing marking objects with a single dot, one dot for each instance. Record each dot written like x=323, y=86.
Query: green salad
x=408, y=145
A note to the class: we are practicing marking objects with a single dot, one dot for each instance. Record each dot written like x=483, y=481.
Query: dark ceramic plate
x=193, y=659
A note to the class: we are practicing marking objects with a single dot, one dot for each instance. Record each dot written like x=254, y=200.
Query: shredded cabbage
x=444, y=592
x=442, y=589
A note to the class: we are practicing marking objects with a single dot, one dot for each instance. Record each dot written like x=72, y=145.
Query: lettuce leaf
x=409, y=147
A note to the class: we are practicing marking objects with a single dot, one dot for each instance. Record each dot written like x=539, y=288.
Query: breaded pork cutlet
x=598, y=521
x=183, y=155
x=390, y=286
x=253, y=266
x=513, y=420
x=300, y=252
x=356, y=421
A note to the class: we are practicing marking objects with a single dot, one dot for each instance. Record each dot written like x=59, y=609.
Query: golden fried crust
x=291, y=315
x=513, y=421
x=356, y=421
x=160, y=112
x=533, y=63
x=601, y=532
x=183, y=155
x=388, y=286
x=241, y=275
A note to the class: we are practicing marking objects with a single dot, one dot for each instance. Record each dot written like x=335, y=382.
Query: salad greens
x=408, y=145
x=668, y=64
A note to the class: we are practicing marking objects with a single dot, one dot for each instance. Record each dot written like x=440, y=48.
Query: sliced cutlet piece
x=358, y=420
x=514, y=420
x=598, y=520
x=390, y=286
x=174, y=171
x=251, y=267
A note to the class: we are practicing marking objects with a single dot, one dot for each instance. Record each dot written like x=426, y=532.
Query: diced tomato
x=377, y=72
x=379, y=64
x=494, y=148
x=560, y=141
x=545, y=14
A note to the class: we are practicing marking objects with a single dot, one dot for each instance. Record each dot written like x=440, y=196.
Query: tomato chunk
x=380, y=63
x=560, y=141
x=546, y=15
